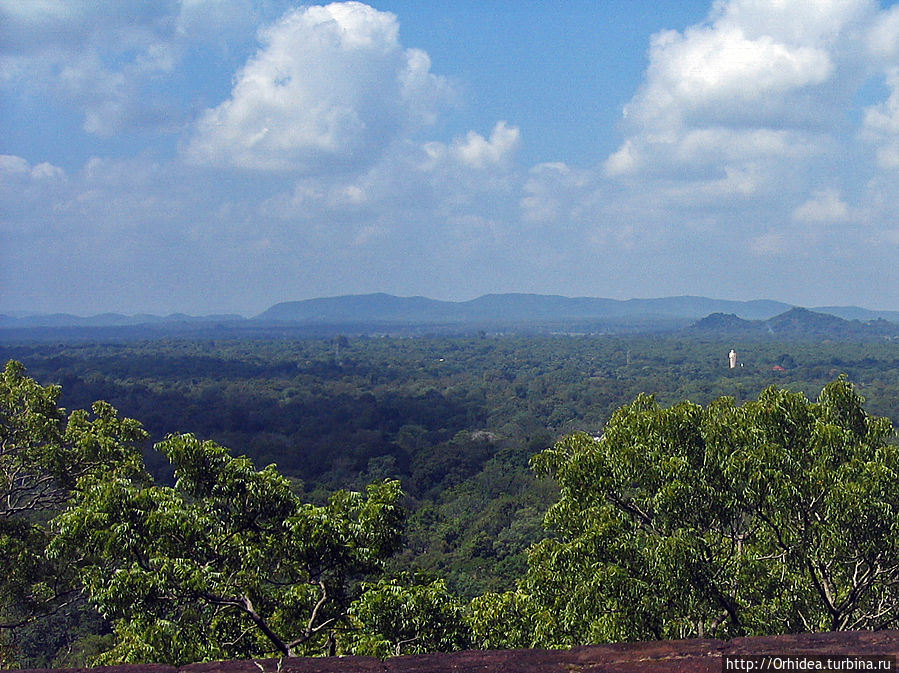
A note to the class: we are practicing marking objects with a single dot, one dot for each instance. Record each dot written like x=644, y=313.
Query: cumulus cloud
x=770, y=129
x=749, y=111
x=97, y=57
x=759, y=76
x=800, y=22
x=882, y=37
x=474, y=151
x=711, y=73
x=825, y=206
x=330, y=87
x=880, y=125
x=557, y=193
x=478, y=152
x=112, y=62
x=624, y=161
x=12, y=166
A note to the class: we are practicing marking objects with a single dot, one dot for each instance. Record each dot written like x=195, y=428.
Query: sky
x=221, y=156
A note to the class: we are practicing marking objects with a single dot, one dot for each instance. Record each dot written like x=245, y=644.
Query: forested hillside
x=456, y=421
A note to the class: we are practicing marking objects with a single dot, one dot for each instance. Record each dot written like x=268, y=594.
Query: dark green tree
x=228, y=563
x=45, y=458
x=393, y=617
x=776, y=516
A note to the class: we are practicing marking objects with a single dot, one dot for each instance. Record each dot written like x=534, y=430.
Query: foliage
x=775, y=516
x=456, y=418
x=45, y=457
x=228, y=563
x=391, y=619
x=508, y=620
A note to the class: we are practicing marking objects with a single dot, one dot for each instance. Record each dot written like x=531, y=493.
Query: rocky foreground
x=669, y=656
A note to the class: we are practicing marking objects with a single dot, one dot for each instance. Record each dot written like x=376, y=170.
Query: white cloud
x=113, y=61
x=477, y=152
x=740, y=117
x=763, y=68
x=556, y=193
x=738, y=187
x=769, y=130
x=15, y=167
x=330, y=88
x=882, y=38
x=101, y=58
x=470, y=162
x=722, y=144
x=625, y=160
x=809, y=22
x=325, y=177
x=880, y=126
x=825, y=206
x=882, y=120
x=26, y=189
x=710, y=72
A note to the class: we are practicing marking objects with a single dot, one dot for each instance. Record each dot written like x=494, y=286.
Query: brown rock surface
x=669, y=656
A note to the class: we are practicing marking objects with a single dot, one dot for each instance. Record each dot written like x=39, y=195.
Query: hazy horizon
x=761, y=300
x=222, y=156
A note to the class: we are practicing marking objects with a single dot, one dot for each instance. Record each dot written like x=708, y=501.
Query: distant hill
x=361, y=308
x=795, y=323
x=727, y=323
x=513, y=308
x=380, y=312
x=811, y=322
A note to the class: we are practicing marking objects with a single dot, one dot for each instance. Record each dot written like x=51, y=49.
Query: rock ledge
x=668, y=656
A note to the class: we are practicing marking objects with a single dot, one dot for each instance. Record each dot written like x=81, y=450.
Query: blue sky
x=224, y=155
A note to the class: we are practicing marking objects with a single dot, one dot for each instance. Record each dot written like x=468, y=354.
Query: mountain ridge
x=515, y=307
x=792, y=323
x=494, y=309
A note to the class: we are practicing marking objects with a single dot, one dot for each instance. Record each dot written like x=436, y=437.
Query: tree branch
x=246, y=606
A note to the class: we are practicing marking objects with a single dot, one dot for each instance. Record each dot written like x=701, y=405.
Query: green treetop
x=776, y=516
x=45, y=457
x=226, y=564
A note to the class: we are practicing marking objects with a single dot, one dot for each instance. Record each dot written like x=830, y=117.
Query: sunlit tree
x=228, y=563
x=779, y=515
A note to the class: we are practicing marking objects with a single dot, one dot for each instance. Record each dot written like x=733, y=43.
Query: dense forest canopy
x=454, y=420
